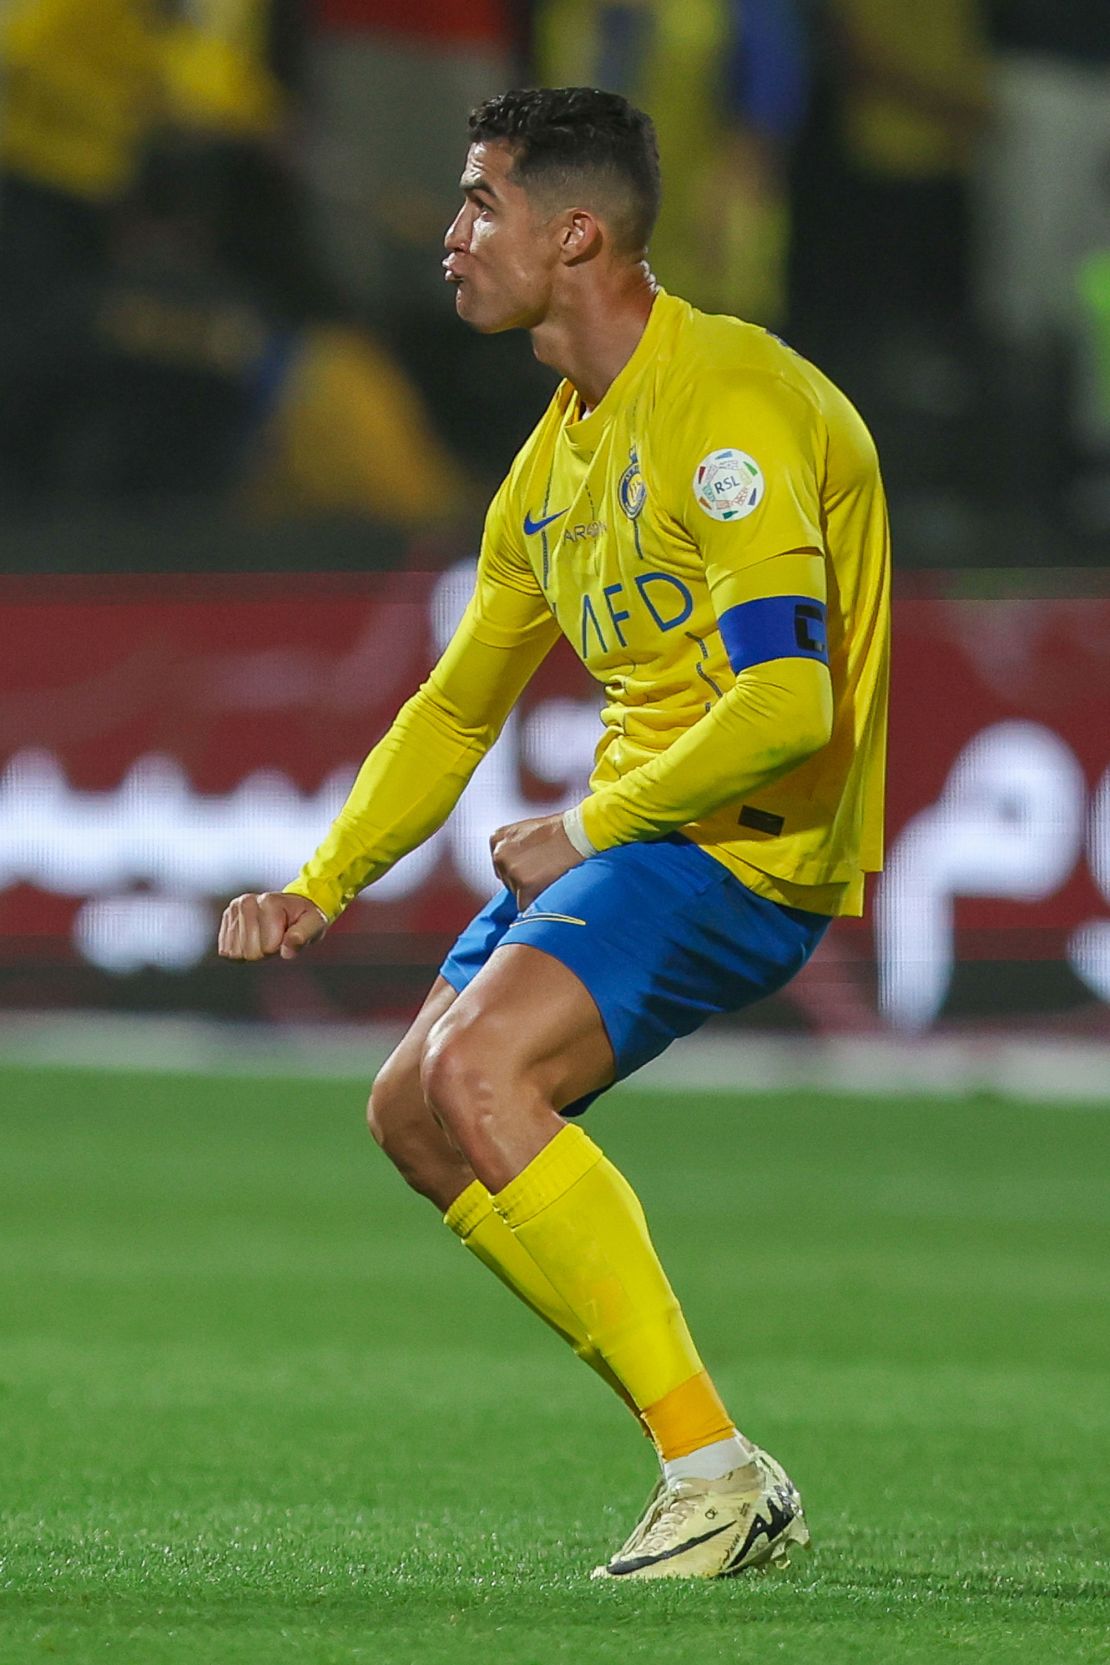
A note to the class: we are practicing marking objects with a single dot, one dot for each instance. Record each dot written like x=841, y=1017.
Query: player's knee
x=459, y=1076
x=377, y=1113
x=389, y=1116
x=381, y=1106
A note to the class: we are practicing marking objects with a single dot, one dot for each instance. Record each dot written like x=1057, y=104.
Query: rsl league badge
x=729, y=484
x=632, y=491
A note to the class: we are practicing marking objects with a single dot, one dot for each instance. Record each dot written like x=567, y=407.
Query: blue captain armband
x=774, y=627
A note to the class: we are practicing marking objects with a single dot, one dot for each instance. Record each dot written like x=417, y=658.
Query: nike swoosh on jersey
x=531, y=526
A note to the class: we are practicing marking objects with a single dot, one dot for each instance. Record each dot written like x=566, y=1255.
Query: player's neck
x=592, y=338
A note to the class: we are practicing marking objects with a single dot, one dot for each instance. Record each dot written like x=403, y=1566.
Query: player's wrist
x=576, y=832
x=298, y=890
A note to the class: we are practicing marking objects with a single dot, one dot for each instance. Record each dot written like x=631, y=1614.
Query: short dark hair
x=567, y=137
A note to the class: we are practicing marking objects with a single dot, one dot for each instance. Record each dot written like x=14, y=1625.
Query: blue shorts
x=661, y=934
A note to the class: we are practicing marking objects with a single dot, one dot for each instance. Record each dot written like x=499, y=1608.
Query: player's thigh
x=397, y=1108
x=525, y=1018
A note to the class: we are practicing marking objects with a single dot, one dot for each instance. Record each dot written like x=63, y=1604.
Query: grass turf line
x=258, y=1405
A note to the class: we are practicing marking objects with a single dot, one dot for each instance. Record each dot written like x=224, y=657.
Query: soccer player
x=699, y=511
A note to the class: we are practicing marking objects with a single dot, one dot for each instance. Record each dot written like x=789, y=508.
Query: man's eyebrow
x=471, y=188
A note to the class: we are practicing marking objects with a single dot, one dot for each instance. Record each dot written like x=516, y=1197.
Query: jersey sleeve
x=508, y=608
x=414, y=776
x=768, y=722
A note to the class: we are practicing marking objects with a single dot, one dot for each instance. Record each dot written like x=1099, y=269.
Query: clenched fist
x=254, y=927
x=530, y=855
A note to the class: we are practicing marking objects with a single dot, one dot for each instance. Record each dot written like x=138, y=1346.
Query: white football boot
x=747, y=1520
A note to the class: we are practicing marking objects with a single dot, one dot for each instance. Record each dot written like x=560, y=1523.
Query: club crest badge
x=729, y=485
x=632, y=491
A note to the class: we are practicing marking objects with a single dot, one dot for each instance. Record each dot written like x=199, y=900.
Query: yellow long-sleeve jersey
x=712, y=539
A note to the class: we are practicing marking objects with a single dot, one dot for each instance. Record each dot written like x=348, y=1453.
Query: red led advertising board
x=168, y=742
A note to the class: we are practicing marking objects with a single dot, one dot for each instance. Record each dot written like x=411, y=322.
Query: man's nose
x=455, y=236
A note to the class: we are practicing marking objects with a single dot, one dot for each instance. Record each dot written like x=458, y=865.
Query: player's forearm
x=415, y=775
x=773, y=718
x=403, y=793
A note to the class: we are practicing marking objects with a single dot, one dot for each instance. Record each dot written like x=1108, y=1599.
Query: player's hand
x=530, y=855
x=254, y=927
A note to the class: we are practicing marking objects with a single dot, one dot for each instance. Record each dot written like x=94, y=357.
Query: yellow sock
x=582, y=1225
x=688, y=1417
x=481, y=1230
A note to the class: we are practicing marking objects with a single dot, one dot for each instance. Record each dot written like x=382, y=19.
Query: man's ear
x=582, y=236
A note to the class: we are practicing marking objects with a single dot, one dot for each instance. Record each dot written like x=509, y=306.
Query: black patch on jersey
x=809, y=628
x=761, y=820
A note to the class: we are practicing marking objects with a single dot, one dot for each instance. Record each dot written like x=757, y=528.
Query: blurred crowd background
x=246, y=448
x=224, y=336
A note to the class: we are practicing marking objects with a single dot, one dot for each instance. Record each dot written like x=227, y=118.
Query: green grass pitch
x=256, y=1405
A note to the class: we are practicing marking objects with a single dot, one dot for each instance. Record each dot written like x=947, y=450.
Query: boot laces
x=675, y=1508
